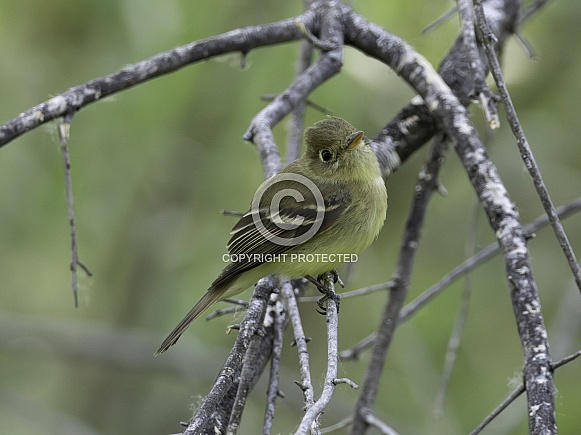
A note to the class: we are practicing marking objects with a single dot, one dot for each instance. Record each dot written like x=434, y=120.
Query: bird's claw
x=329, y=295
x=336, y=278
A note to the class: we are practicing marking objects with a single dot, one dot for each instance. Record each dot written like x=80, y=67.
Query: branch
x=453, y=118
x=239, y=40
x=414, y=125
x=426, y=185
x=64, y=134
x=279, y=325
x=482, y=256
x=516, y=393
x=295, y=134
x=488, y=41
x=300, y=341
x=462, y=269
x=214, y=413
x=327, y=65
x=310, y=420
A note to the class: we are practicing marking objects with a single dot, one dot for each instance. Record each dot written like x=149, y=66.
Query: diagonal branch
x=488, y=41
x=215, y=410
x=239, y=40
x=327, y=65
x=426, y=185
x=485, y=254
x=453, y=118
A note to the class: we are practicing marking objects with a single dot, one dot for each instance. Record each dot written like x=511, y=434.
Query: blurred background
x=152, y=169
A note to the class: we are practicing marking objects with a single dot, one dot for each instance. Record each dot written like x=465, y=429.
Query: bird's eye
x=326, y=155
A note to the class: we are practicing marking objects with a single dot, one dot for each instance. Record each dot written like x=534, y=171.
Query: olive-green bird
x=330, y=202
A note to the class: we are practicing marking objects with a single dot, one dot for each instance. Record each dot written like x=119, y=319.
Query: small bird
x=306, y=220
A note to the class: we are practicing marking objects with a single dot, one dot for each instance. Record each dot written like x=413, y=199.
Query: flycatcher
x=330, y=202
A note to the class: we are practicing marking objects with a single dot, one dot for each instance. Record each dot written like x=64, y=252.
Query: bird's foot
x=336, y=278
x=329, y=295
x=327, y=290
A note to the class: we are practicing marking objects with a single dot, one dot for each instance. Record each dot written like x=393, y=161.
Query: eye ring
x=325, y=155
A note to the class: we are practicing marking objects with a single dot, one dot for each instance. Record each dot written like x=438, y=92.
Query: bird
x=326, y=206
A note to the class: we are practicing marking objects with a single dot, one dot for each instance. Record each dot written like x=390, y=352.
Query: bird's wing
x=262, y=232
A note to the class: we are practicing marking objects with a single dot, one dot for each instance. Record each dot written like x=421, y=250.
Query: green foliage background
x=152, y=168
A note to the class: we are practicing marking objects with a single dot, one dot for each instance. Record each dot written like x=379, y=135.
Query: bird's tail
x=212, y=295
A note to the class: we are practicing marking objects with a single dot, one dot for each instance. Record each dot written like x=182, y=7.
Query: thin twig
x=224, y=312
x=346, y=381
x=339, y=425
x=441, y=20
x=526, y=153
x=293, y=143
x=566, y=360
x=530, y=10
x=467, y=266
x=456, y=336
x=496, y=412
x=359, y=348
x=385, y=429
x=64, y=129
x=516, y=393
x=240, y=305
x=354, y=293
x=309, y=103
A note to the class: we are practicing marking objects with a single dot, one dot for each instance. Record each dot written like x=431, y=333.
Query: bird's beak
x=355, y=140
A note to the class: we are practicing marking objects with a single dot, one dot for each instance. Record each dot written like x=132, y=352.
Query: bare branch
x=208, y=415
x=567, y=360
x=530, y=10
x=301, y=342
x=293, y=142
x=327, y=65
x=489, y=41
x=385, y=429
x=312, y=413
x=511, y=398
x=64, y=134
x=516, y=393
x=239, y=40
x=456, y=336
x=279, y=324
x=502, y=212
x=426, y=185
